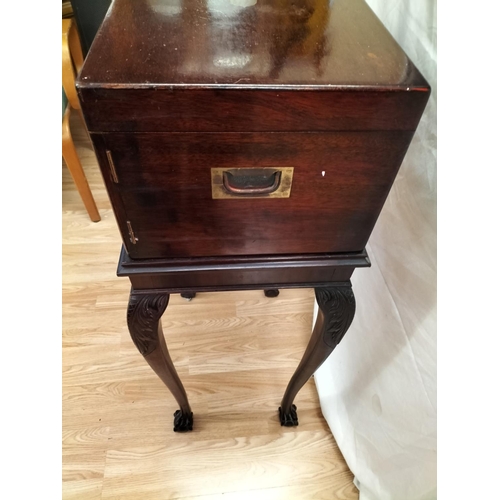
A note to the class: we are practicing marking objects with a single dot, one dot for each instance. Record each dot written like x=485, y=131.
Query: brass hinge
x=112, y=166
x=133, y=239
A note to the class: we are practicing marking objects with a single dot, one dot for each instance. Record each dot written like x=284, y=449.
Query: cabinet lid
x=263, y=44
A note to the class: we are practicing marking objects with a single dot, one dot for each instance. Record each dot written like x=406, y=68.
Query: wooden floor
x=235, y=353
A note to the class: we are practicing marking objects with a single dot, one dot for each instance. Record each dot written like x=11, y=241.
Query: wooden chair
x=72, y=61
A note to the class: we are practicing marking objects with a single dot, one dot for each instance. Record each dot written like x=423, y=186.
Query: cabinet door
x=161, y=188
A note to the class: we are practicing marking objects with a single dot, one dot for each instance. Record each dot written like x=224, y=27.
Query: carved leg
x=335, y=315
x=271, y=292
x=188, y=295
x=143, y=318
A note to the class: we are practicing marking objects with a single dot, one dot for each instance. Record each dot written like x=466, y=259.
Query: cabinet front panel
x=163, y=184
x=208, y=110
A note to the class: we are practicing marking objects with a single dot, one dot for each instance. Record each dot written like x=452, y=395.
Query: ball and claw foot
x=271, y=292
x=183, y=422
x=188, y=295
x=289, y=419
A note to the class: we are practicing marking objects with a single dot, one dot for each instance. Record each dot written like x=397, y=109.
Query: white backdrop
x=378, y=389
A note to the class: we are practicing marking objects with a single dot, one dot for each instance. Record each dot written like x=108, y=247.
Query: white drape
x=378, y=389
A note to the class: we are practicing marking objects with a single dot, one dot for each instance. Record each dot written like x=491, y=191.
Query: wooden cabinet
x=248, y=146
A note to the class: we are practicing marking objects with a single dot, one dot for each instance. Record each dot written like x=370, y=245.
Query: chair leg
x=76, y=170
x=85, y=127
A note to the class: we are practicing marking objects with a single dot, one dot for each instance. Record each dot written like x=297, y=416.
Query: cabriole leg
x=143, y=318
x=335, y=315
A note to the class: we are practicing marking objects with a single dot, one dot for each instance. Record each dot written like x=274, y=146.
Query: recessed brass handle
x=251, y=181
x=248, y=183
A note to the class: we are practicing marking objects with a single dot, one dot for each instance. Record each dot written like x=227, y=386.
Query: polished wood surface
x=336, y=307
x=310, y=65
x=209, y=110
x=163, y=182
x=244, y=273
x=172, y=90
x=235, y=352
x=144, y=323
x=274, y=43
x=163, y=110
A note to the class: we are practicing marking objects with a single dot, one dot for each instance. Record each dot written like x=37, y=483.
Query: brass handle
x=251, y=181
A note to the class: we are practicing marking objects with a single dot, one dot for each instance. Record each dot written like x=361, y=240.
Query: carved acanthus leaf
x=338, y=306
x=144, y=312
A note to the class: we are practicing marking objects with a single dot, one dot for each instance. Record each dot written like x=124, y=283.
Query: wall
x=378, y=389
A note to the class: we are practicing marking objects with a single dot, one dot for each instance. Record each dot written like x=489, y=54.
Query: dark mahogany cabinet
x=246, y=146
